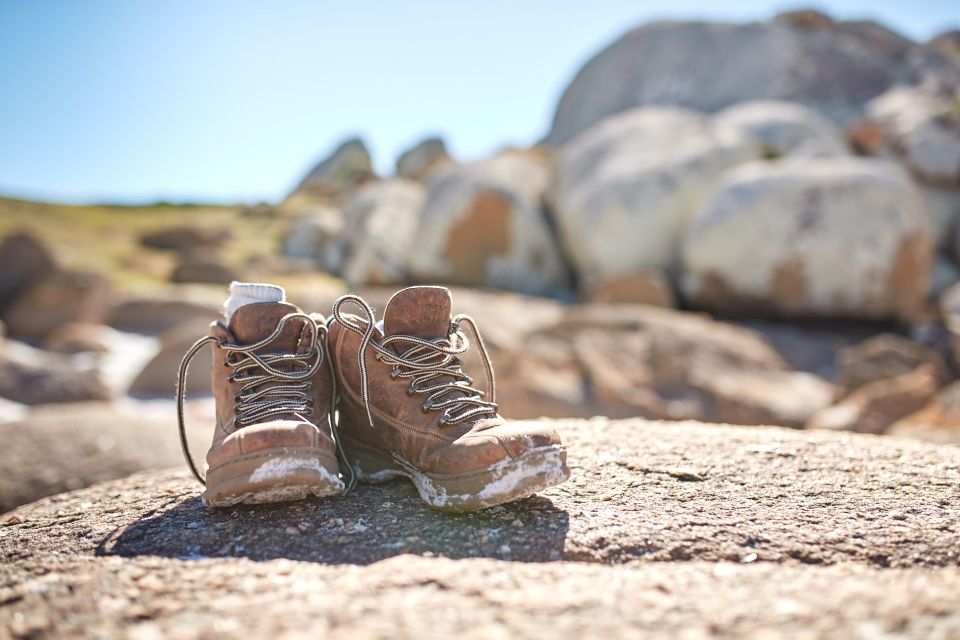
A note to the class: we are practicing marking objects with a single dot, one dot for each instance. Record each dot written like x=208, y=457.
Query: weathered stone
x=866, y=137
x=66, y=447
x=163, y=311
x=887, y=356
x=628, y=360
x=944, y=207
x=186, y=238
x=646, y=287
x=473, y=598
x=938, y=421
x=543, y=377
x=159, y=376
x=944, y=274
x=24, y=261
x=948, y=43
x=318, y=235
x=423, y=160
x=832, y=68
x=204, y=267
x=30, y=376
x=924, y=130
x=949, y=307
x=380, y=234
x=827, y=237
x=785, y=129
x=662, y=527
x=786, y=398
x=625, y=189
x=875, y=406
x=640, y=491
x=482, y=224
x=348, y=166
x=812, y=349
x=60, y=298
x=78, y=337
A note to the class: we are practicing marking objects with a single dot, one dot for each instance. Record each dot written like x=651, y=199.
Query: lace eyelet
x=411, y=391
x=394, y=373
x=426, y=408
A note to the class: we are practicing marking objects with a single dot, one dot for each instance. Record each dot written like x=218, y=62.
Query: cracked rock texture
x=665, y=529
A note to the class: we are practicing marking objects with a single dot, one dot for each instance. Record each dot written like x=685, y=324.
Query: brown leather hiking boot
x=273, y=388
x=407, y=408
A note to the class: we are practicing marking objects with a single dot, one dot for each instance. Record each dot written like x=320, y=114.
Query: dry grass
x=105, y=238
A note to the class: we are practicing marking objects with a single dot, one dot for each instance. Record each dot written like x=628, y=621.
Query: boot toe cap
x=520, y=436
x=268, y=435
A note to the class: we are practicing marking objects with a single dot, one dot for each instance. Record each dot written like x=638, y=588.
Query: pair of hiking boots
x=300, y=399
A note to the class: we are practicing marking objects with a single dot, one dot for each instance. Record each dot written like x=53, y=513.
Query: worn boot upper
x=425, y=409
x=257, y=408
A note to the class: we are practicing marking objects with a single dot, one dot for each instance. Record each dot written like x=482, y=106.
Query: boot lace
x=272, y=384
x=433, y=366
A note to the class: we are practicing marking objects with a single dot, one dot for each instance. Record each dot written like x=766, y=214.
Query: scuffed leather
x=401, y=426
x=250, y=324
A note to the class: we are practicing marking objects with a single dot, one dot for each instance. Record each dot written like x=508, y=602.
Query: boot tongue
x=423, y=312
x=253, y=322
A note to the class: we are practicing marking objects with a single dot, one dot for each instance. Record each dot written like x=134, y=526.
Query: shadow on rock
x=370, y=524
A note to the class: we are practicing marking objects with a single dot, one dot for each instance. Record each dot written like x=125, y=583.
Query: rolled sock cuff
x=242, y=293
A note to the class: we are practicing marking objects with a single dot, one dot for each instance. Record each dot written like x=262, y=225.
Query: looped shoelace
x=425, y=361
x=266, y=389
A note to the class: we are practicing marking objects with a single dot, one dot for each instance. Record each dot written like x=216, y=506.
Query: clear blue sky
x=133, y=101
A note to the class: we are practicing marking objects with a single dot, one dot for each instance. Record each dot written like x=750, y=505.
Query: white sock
x=242, y=293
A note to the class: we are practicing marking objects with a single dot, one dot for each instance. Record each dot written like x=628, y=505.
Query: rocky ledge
x=667, y=528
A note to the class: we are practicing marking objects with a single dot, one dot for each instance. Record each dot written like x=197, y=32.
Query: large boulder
x=949, y=309
x=924, y=128
x=938, y=421
x=832, y=67
x=875, y=406
x=629, y=360
x=943, y=203
x=625, y=189
x=348, y=166
x=380, y=235
x=423, y=160
x=887, y=356
x=785, y=129
x=31, y=376
x=165, y=310
x=317, y=235
x=823, y=237
x=24, y=261
x=60, y=298
x=483, y=225
x=79, y=337
x=67, y=447
x=159, y=376
x=650, y=287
